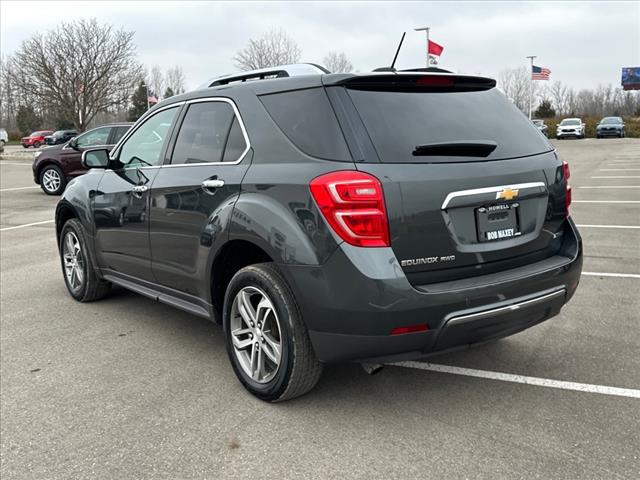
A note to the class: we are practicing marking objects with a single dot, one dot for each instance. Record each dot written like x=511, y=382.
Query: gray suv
x=329, y=217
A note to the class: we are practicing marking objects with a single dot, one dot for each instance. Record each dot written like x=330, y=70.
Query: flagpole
x=426, y=29
x=531, y=57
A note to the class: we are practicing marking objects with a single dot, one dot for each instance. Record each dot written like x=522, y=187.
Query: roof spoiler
x=418, y=80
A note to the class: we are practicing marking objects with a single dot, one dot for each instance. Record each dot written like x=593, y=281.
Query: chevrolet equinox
x=326, y=218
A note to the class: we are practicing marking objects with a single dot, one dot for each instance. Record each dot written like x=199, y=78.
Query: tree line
x=558, y=99
x=85, y=73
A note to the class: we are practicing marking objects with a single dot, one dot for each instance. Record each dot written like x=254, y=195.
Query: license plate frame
x=497, y=222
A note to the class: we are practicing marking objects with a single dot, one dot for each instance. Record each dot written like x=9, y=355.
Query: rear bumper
x=352, y=303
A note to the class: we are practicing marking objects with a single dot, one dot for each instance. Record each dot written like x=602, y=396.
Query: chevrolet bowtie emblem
x=506, y=194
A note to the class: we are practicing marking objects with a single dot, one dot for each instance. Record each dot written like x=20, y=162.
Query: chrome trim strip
x=480, y=191
x=135, y=126
x=242, y=128
x=507, y=308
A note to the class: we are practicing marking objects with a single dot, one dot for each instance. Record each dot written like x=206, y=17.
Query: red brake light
x=435, y=81
x=567, y=195
x=352, y=202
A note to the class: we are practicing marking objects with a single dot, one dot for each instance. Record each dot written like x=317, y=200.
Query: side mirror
x=73, y=143
x=96, y=158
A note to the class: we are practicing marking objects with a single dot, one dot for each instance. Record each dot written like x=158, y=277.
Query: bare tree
x=175, y=80
x=273, y=48
x=515, y=84
x=337, y=63
x=80, y=68
x=156, y=82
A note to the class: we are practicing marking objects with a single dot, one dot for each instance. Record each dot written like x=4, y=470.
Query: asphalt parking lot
x=129, y=388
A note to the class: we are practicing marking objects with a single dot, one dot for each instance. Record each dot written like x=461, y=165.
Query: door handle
x=138, y=190
x=213, y=183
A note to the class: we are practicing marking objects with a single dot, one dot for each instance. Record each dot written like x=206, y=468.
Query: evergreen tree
x=168, y=93
x=545, y=110
x=138, y=103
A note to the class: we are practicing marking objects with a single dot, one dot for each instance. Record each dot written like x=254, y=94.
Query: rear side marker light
x=420, y=327
x=352, y=202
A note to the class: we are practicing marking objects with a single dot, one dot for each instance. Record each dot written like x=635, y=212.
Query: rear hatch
x=470, y=185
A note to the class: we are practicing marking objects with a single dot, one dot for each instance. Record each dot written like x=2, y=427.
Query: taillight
x=352, y=202
x=566, y=173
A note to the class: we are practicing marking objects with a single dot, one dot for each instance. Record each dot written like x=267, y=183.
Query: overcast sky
x=584, y=44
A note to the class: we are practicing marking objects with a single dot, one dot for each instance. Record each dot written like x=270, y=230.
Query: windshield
x=611, y=121
x=37, y=134
x=398, y=122
x=570, y=121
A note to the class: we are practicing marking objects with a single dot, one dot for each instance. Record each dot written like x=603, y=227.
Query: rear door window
x=398, y=122
x=210, y=133
x=117, y=133
x=307, y=119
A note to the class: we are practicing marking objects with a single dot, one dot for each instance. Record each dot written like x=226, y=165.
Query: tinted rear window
x=399, y=121
x=307, y=119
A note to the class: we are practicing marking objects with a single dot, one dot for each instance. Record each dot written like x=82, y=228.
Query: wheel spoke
x=246, y=309
x=259, y=373
x=69, y=241
x=241, y=344
x=271, y=348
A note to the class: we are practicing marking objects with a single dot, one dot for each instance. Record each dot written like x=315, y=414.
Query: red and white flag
x=152, y=99
x=434, y=51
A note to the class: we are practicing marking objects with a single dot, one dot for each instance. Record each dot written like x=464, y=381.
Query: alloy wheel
x=51, y=180
x=255, y=334
x=74, y=262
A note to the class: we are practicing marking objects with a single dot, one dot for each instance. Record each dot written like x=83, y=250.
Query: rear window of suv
x=398, y=122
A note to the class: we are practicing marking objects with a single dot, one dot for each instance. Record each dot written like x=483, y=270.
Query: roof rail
x=280, y=71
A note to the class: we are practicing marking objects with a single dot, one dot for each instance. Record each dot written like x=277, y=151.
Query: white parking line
x=614, y=275
x=618, y=176
x=605, y=201
x=610, y=226
x=18, y=188
x=25, y=225
x=526, y=380
x=620, y=169
x=612, y=186
x=23, y=164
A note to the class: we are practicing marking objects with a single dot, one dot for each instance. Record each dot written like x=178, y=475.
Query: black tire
x=92, y=287
x=299, y=369
x=48, y=187
x=36, y=144
x=25, y=146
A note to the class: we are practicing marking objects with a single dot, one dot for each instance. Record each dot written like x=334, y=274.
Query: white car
x=571, y=127
x=4, y=138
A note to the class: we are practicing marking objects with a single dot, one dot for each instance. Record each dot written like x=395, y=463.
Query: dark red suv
x=54, y=166
x=35, y=139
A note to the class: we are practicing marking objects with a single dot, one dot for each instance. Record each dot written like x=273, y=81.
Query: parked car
x=571, y=127
x=54, y=166
x=60, y=136
x=36, y=139
x=380, y=225
x=540, y=125
x=610, y=127
x=4, y=136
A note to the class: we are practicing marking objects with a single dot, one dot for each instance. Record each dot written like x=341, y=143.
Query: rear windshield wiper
x=464, y=148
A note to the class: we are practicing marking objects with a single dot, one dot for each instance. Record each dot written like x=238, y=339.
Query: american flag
x=540, y=73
